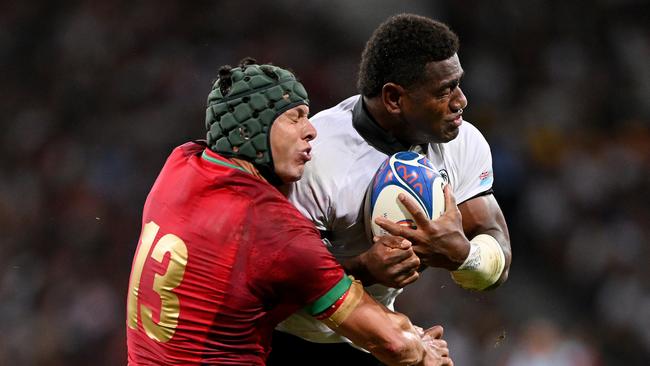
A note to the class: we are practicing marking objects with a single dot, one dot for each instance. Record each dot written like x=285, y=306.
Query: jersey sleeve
x=300, y=269
x=475, y=167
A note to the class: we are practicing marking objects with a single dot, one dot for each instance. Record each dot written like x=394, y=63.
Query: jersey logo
x=486, y=178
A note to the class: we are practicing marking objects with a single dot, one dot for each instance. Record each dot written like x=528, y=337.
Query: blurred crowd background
x=95, y=94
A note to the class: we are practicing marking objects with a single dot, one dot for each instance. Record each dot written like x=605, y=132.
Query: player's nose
x=309, y=132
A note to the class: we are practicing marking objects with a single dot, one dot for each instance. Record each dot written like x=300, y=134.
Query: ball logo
x=409, y=176
x=445, y=176
x=409, y=173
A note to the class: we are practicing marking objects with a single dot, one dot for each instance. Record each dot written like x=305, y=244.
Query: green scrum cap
x=239, y=122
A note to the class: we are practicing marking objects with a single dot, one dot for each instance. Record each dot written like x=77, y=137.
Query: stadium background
x=94, y=95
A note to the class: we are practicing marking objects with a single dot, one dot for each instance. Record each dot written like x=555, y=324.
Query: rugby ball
x=409, y=173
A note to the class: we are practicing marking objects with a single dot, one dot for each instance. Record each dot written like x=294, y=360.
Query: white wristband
x=483, y=265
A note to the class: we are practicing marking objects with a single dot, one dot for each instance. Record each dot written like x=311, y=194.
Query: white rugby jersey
x=347, y=152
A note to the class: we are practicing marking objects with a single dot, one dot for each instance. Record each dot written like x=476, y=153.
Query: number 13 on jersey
x=163, y=284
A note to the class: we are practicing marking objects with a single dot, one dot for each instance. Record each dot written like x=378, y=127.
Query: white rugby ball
x=409, y=173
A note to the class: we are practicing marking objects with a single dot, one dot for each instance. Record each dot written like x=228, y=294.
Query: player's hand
x=438, y=243
x=436, y=348
x=434, y=332
x=391, y=261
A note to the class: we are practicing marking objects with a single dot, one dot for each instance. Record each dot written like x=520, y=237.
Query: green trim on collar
x=330, y=297
x=219, y=162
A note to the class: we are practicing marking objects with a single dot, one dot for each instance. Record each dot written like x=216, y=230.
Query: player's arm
x=311, y=275
x=482, y=215
x=388, y=335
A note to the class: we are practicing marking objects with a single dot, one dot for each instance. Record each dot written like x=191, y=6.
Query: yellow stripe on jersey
x=351, y=301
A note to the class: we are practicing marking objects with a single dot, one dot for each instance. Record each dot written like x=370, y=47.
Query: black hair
x=400, y=48
x=225, y=82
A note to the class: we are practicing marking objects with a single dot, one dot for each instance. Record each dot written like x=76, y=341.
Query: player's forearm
x=504, y=242
x=498, y=230
x=484, y=266
x=389, y=336
x=483, y=215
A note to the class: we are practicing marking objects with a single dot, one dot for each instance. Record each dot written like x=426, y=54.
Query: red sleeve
x=300, y=269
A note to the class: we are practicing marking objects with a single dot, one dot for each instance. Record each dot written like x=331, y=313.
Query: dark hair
x=399, y=50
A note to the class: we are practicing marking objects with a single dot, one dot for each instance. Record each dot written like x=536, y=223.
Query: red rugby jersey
x=222, y=258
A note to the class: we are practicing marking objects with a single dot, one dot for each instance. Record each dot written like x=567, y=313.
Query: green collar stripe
x=217, y=161
x=330, y=297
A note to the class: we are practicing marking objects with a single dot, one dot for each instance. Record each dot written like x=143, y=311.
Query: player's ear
x=391, y=96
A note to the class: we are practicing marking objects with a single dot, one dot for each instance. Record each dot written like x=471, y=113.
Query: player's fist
x=391, y=261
